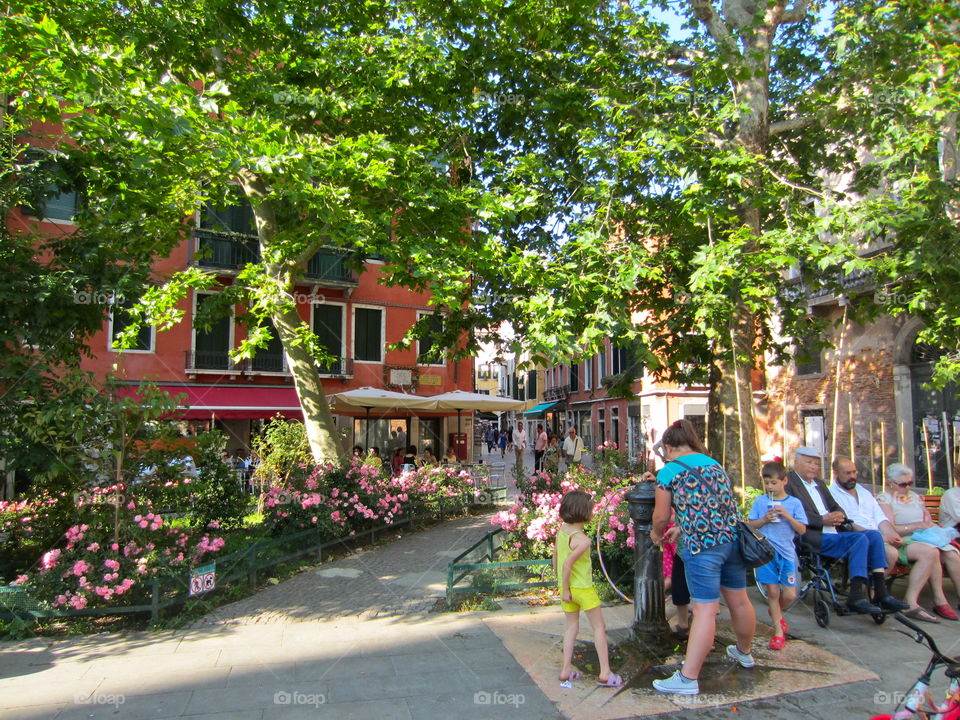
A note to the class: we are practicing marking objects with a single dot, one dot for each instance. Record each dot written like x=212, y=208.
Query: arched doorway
x=929, y=406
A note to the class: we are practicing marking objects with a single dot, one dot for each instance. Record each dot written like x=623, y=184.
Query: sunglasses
x=904, y=484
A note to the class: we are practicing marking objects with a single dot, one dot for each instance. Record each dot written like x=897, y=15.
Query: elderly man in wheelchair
x=831, y=534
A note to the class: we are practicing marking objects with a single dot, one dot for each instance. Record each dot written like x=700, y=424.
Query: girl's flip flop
x=613, y=681
x=568, y=683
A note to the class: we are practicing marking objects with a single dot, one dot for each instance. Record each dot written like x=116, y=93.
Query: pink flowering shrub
x=93, y=567
x=531, y=523
x=343, y=499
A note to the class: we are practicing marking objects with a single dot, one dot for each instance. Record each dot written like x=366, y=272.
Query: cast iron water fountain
x=649, y=617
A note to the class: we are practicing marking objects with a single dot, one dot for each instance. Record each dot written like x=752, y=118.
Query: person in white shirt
x=830, y=533
x=573, y=448
x=519, y=442
x=950, y=509
x=866, y=514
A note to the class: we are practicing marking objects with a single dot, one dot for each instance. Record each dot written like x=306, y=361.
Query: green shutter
x=328, y=327
x=367, y=334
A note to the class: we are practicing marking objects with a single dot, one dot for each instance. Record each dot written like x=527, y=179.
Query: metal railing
x=244, y=566
x=331, y=266
x=224, y=251
x=483, y=553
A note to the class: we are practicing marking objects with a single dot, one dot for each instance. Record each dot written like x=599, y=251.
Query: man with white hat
x=830, y=533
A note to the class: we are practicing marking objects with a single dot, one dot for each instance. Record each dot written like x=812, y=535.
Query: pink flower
x=93, y=547
x=79, y=602
x=49, y=559
x=80, y=567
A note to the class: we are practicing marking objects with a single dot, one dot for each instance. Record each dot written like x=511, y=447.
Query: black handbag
x=755, y=549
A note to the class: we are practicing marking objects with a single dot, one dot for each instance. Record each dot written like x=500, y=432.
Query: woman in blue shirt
x=696, y=487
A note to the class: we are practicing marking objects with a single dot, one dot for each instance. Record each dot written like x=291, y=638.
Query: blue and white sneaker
x=677, y=684
x=745, y=659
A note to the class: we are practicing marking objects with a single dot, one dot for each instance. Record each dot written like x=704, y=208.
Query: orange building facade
x=355, y=317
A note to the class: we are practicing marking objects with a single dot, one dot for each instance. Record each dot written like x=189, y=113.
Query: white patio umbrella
x=460, y=400
x=369, y=398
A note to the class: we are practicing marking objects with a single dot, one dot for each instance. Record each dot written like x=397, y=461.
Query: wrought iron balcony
x=337, y=366
x=224, y=251
x=556, y=393
x=331, y=266
x=210, y=360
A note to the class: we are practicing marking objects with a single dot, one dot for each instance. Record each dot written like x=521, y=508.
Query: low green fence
x=478, y=565
x=245, y=565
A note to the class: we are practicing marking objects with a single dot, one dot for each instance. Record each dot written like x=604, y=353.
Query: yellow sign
x=426, y=379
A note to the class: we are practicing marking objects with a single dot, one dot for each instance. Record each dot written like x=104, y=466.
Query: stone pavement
x=355, y=638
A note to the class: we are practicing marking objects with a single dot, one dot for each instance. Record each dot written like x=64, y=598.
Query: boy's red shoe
x=777, y=642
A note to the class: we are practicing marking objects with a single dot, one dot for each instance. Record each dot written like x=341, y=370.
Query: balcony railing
x=224, y=251
x=269, y=362
x=337, y=366
x=210, y=360
x=330, y=266
x=207, y=360
x=556, y=393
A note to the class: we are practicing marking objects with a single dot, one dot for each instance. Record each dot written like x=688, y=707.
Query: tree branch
x=785, y=126
x=707, y=14
x=795, y=14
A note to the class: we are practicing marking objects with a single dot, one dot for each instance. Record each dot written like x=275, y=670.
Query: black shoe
x=864, y=606
x=888, y=602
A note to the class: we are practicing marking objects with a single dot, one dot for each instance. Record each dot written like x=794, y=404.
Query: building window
x=601, y=426
x=328, y=327
x=425, y=345
x=368, y=334
x=574, y=378
x=120, y=320
x=531, y=384
x=807, y=355
x=270, y=358
x=588, y=374
x=615, y=426
x=601, y=364
x=234, y=218
x=212, y=343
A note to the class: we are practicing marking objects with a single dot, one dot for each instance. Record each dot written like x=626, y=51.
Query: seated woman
x=451, y=459
x=396, y=461
x=905, y=510
x=428, y=457
x=410, y=460
x=373, y=457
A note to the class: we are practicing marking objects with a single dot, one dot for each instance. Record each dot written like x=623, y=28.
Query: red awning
x=240, y=403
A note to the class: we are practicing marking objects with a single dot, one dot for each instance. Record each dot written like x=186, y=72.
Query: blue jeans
x=717, y=567
x=863, y=551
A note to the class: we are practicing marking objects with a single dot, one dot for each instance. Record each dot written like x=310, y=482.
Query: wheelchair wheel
x=821, y=613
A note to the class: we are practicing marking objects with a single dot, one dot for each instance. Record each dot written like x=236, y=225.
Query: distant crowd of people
x=548, y=452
